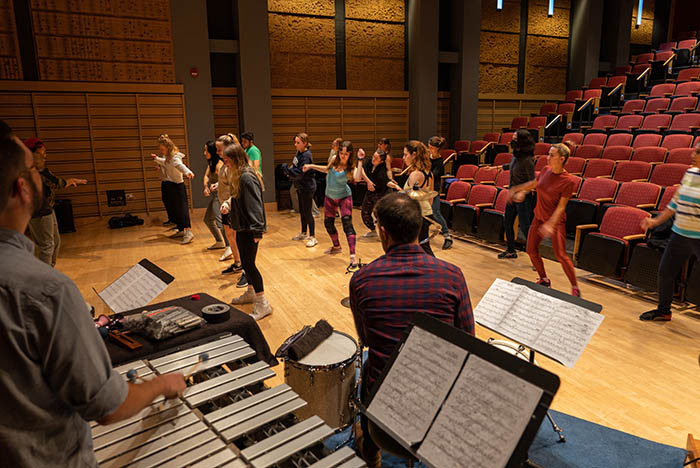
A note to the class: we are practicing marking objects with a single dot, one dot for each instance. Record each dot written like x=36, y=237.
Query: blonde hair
x=421, y=160
x=241, y=163
x=304, y=139
x=228, y=139
x=563, y=150
x=165, y=140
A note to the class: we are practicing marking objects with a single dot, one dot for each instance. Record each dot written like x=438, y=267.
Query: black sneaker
x=169, y=223
x=242, y=281
x=234, y=268
x=447, y=244
x=508, y=254
x=655, y=316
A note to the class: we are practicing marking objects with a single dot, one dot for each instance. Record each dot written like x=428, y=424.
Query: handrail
x=641, y=75
x=585, y=104
x=447, y=159
x=615, y=89
x=670, y=59
x=555, y=119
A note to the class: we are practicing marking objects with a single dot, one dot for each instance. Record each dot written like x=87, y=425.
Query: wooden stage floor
x=641, y=378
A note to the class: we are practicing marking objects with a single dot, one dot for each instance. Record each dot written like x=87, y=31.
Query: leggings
x=176, y=195
x=437, y=216
x=330, y=208
x=212, y=218
x=248, y=249
x=534, y=239
x=307, y=220
x=165, y=196
x=424, y=237
x=371, y=199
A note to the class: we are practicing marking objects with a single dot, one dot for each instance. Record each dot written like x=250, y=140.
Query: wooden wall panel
x=443, y=116
x=499, y=47
x=10, y=62
x=104, y=134
x=643, y=34
x=225, y=110
x=375, y=55
x=495, y=111
x=101, y=40
x=547, y=47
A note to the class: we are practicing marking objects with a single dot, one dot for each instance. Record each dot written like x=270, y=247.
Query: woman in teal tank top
x=339, y=197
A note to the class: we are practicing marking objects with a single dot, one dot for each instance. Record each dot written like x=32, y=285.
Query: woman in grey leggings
x=212, y=217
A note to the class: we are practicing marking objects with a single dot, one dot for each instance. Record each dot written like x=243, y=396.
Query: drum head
x=335, y=349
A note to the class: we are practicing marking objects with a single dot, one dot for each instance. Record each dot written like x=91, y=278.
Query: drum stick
x=204, y=357
x=410, y=166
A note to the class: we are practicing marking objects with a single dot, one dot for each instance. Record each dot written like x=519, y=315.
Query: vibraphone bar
x=226, y=417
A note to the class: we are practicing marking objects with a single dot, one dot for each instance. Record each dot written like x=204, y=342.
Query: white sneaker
x=248, y=297
x=187, y=237
x=177, y=235
x=369, y=235
x=312, y=242
x=300, y=237
x=217, y=245
x=226, y=255
x=261, y=309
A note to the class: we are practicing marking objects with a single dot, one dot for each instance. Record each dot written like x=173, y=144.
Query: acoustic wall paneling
x=10, y=62
x=495, y=111
x=547, y=47
x=102, y=133
x=102, y=40
x=225, y=111
x=443, y=116
x=642, y=35
x=499, y=49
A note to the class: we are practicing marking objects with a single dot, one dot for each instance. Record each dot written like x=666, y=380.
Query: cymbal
x=421, y=195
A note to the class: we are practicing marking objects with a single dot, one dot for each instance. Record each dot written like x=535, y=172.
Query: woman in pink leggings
x=339, y=197
x=554, y=188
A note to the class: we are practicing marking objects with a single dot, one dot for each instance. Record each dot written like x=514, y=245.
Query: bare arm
x=206, y=181
x=547, y=229
x=316, y=167
x=141, y=395
x=649, y=223
x=256, y=165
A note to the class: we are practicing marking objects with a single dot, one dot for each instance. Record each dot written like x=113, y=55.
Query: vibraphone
x=227, y=417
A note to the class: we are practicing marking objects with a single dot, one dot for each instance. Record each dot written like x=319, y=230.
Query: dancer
x=305, y=185
x=335, y=147
x=173, y=170
x=522, y=170
x=253, y=152
x=44, y=226
x=224, y=193
x=554, y=187
x=247, y=216
x=437, y=168
x=376, y=181
x=684, y=240
x=339, y=196
x=212, y=217
x=385, y=145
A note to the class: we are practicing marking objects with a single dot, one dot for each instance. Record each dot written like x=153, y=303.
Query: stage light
x=639, y=14
x=499, y=5
x=550, y=9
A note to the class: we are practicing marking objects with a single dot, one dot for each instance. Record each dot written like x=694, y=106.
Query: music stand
x=137, y=287
x=542, y=386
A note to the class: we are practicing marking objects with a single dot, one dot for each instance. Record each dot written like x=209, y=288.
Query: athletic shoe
x=261, y=309
x=169, y=223
x=369, y=235
x=217, y=245
x=234, y=268
x=177, y=235
x=299, y=237
x=242, y=281
x=655, y=316
x=508, y=254
x=575, y=291
x=247, y=297
x=187, y=237
x=333, y=250
x=226, y=255
x=544, y=282
x=447, y=244
x=311, y=242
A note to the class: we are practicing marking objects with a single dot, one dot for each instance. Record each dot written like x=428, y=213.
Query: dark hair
x=523, y=142
x=385, y=141
x=400, y=216
x=214, y=156
x=382, y=155
x=5, y=131
x=350, y=164
x=12, y=161
x=437, y=141
x=248, y=136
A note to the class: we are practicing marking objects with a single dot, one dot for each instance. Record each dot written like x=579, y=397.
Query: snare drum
x=325, y=378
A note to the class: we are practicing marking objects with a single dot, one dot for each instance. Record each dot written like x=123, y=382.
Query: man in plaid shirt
x=385, y=294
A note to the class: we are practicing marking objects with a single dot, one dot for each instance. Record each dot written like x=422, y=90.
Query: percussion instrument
x=226, y=417
x=327, y=372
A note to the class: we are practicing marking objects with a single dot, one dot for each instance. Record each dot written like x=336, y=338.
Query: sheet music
x=482, y=420
x=545, y=324
x=135, y=288
x=417, y=384
x=496, y=303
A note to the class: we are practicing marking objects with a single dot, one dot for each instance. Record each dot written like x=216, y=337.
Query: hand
x=360, y=154
x=256, y=239
x=546, y=230
x=214, y=187
x=648, y=223
x=206, y=191
x=370, y=186
x=305, y=168
x=190, y=175
x=172, y=384
x=153, y=156
x=75, y=182
x=516, y=197
x=225, y=208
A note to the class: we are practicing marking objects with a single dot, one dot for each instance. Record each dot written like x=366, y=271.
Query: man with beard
x=55, y=373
